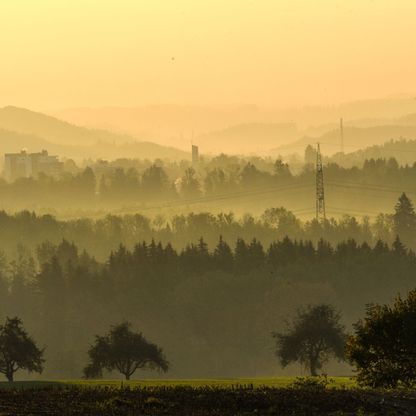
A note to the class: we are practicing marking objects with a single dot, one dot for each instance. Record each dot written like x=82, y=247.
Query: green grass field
x=336, y=382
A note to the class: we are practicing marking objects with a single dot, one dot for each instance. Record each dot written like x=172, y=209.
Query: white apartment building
x=27, y=165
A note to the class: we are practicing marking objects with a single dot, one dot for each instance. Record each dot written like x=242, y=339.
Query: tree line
x=26, y=230
x=153, y=184
x=218, y=301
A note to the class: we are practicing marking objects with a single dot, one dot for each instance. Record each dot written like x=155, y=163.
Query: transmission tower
x=320, y=194
x=341, y=128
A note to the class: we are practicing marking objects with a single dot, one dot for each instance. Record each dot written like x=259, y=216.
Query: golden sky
x=64, y=53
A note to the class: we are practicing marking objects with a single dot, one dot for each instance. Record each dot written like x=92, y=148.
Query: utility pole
x=320, y=194
x=341, y=128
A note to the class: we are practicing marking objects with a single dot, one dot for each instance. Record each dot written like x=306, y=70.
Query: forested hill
x=354, y=138
x=248, y=137
x=403, y=151
x=29, y=122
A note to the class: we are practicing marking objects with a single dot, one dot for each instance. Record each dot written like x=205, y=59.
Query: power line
x=262, y=192
x=368, y=187
x=344, y=211
x=224, y=197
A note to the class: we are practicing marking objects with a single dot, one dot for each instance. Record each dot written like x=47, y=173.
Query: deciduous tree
x=18, y=351
x=125, y=351
x=383, y=347
x=314, y=335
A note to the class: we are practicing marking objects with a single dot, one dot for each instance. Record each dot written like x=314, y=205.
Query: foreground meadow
x=279, y=396
x=276, y=382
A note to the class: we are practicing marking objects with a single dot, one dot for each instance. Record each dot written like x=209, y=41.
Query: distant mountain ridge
x=354, y=138
x=21, y=128
x=243, y=128
x=52, y=129
x=248, y=137
x=404, y=151
x=163, y=123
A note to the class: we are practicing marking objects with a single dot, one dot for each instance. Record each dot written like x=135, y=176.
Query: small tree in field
x=383, y=347
x=125, y=351
x=18, y=350
x=314, y=335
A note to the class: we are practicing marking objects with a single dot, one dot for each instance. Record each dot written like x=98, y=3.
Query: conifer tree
x=405, y=221
x=241, y=256
x=223, y=256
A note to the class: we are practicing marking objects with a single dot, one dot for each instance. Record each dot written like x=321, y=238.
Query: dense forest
x=201, y=284
x=211, y=308
x=219, y=301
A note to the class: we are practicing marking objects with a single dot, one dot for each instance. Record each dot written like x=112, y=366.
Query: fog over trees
x=207, y=208
x=206, y=258
x=26, y=231
x=223, y=182
x=218, y=301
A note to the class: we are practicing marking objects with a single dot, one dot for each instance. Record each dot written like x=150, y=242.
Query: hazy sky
x=62, y=53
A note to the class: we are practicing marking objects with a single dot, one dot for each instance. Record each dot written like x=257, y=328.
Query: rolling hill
x=52, y=129
x=21, y=128
x=248, y=137
x=354, y=138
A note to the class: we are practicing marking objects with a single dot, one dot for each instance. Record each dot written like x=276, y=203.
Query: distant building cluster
x=28, y=165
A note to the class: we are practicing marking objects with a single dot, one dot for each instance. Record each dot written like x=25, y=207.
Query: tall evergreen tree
x=405, y=221
x=241, y=263
x=398, y=247
x=223, y=256
x=256, y=255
